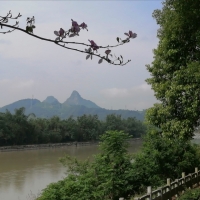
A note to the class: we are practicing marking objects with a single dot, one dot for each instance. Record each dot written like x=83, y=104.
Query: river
x=27, y=172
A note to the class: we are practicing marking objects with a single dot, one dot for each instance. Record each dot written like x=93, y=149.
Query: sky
x=34, y=68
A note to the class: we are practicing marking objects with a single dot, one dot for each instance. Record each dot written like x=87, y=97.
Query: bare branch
x=6, y=19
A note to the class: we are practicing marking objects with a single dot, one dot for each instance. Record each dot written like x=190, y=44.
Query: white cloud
x=12, y=90
x=16, y=84
x=137, y=97
x=127, y=92
x=5, y=42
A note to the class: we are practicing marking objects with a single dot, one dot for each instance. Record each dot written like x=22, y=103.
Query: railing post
x=149, y=191
x=168, y=190
x=190, y=181
x=183, y=176
x=168, y=182
x=161, y=192
x=176, y=187
x=196, y=171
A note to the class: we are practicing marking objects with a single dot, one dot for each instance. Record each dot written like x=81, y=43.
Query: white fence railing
x=172, y=189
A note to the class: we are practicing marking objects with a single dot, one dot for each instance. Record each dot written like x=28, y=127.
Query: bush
x=193, y=194
x=112, y=174
x=109, y=176
x=161, y=158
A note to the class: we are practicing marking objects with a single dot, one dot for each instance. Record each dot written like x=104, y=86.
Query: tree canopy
x=21, y=129
x=175, y=69
x=109, y=176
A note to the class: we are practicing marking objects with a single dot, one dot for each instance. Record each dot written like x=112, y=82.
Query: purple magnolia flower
x=131, y=34
x=60, y=33
x=74, y=23
x=93, y=45
x=83, y=26
x=75, y=27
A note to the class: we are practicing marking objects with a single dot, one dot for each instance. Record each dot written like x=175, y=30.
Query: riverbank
x=25, y=170
x=52, y=145
x=44, y=146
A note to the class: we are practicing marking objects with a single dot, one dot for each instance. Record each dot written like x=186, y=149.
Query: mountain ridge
x=76, y=99
x=51, y=100
x=74, y=106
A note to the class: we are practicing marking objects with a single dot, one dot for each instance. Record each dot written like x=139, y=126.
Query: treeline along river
x=20, y=129
x=29, y=171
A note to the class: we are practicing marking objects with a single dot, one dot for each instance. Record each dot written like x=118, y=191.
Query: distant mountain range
x=74, y=106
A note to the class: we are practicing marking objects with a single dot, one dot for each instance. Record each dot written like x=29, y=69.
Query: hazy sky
x=34, y=67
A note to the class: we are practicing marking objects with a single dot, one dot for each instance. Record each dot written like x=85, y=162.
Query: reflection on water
x=25, y=172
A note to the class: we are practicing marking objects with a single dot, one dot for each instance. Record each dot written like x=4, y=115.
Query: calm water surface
x=29, y=171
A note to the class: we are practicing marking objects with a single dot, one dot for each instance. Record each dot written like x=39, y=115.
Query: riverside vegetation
x=167, y=150
x=20, y=129
x=113, y=173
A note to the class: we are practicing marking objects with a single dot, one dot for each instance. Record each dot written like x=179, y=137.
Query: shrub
x=193, y=194
x=161, y=158
x=109, y=176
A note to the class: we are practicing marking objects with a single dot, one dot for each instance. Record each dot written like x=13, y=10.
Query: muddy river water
x=27, y=172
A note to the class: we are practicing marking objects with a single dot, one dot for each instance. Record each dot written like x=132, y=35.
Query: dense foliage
x=107, y=177
x=115, y=173
x=161, y=158
x=193, y=194
x=18, y=128
x=175, y=70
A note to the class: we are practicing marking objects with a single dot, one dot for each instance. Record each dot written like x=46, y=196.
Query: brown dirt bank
x=44, y=146
x=50, y=145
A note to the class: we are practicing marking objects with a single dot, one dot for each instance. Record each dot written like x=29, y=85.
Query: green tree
x=54, y=129
x=6, y=135
x=89, y=127
x=114, y=122
x=109, y=176
x=41, y=130
x=15, y=128
x=175, y=70
x=161, y=158
x=71, y=128
x=134, y=127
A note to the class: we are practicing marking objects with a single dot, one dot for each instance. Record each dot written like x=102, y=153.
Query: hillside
x=76, y=99
x=74, y=106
